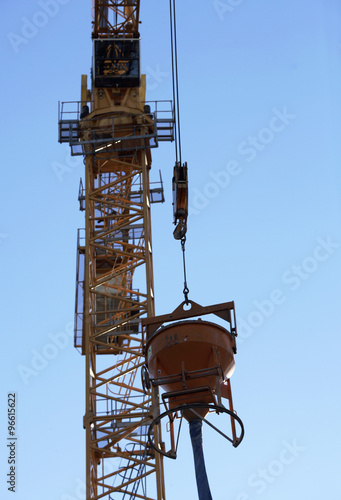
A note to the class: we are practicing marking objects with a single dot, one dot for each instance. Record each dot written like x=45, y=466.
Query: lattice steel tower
x=114, y=128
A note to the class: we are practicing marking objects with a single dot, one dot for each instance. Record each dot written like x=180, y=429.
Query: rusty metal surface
x=224, y=310
x=183, y=353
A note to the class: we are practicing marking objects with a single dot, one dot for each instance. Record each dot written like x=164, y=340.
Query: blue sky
x=260, y=119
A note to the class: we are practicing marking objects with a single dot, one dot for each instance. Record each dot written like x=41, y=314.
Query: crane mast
x=114, y=129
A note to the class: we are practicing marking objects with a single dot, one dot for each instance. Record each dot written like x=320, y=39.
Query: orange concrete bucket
x=192, y=358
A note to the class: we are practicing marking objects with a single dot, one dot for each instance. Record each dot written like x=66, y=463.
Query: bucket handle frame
x=225, y=311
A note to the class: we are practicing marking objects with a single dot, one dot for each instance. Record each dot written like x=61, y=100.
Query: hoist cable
x=175, y=80
x=177, y=132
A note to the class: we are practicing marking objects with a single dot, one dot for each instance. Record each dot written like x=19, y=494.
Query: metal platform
x=136, y=194
x=135, y=132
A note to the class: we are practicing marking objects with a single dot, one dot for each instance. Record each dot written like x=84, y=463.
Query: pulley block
x=180, y=200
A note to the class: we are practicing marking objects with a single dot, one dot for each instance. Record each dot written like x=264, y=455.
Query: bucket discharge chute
x=195, y=429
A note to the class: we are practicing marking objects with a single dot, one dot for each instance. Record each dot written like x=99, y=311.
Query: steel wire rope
x=177, y=130
x=175, y=80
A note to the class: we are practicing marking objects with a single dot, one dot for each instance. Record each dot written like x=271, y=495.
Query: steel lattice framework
x=117, y=241
x=113, y=18
x=114, y=130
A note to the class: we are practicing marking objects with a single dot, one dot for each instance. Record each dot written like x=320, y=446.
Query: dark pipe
x=195, y=429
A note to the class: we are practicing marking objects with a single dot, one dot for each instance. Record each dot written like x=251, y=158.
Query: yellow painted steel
x=117, y=242
x=84, y=90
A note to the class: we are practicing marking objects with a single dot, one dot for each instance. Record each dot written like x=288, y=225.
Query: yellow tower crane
x=114, y=129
